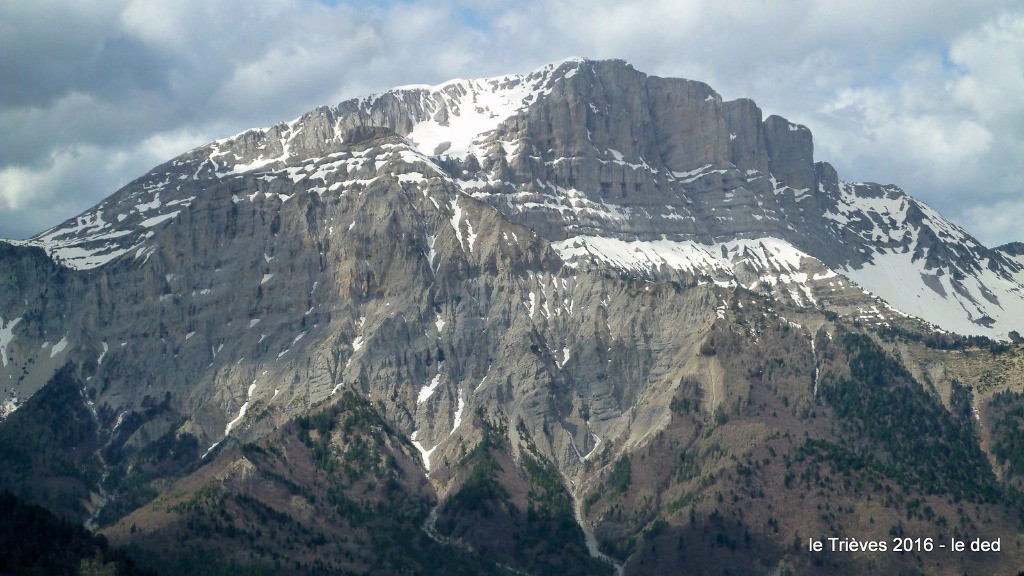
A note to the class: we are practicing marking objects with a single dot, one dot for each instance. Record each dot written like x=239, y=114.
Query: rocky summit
x=580, y=320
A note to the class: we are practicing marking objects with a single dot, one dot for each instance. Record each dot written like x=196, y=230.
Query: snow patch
x=458, y=414
x=473, y=109
x=6, y=336
x=566, y=351
x=427, y=391
x=424, y=453
x=242, y=410
x=155, y=220
x=778, y=263
x=9, y=406
x=59, y=347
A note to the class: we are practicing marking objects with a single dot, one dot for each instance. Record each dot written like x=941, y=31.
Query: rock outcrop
x=577, y=253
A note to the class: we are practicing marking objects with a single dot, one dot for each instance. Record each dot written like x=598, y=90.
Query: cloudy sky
x=925, y=94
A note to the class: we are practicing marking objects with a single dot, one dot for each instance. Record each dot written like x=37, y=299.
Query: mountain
x=36, y=542
x=580, y=319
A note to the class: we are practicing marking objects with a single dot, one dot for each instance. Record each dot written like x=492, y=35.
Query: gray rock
x=560, y=268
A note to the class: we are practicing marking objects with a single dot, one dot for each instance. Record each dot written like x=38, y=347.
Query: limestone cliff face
x=400, y=287
x=554, y=249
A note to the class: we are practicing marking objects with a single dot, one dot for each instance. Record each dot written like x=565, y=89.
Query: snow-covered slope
x=926, y=266
x=756, y=264
x=452, y=118
x=461, y=113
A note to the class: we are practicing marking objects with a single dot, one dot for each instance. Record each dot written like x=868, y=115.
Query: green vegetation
x=52, y=448
x=481, y=492
x=885, y=412
x=367, y=515
x=551, y=528
x=49, y=448
x=540, y=535
x=1008, y=431
x=942, y=341
x=345, y=441
x=34, y=541
x=960, y=401
x=620, y=476
x=133, y=476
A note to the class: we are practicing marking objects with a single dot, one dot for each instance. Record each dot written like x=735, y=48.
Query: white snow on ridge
x=83, y=259
x=645, y=256
x=8, y=407
x=242, y=410
x=886, y=214
x=150, y=222
x=83, y=247
x=982, y=303
x=470, y=235
x=944, y=228
x=564, y=201
x=641, y=255
x=458, y=414
x=697, y=173
x=71, y=253
x=775, y=261
x=566, y=351
x=456, y=220
x=475, y=108
x=1019, y=260
x=892, y=276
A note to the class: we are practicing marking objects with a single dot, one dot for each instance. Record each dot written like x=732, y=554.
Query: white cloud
x=993, y=57
x=997, y=223
x=75, y=179
x=922, y=131
x=71, y=181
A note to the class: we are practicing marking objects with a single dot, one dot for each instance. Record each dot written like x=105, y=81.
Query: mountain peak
x=1012, y=248
x=479, y=318
x=595, y=149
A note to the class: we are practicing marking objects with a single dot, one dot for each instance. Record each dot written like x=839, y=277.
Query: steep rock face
x=253, y=305
x=33, y=335
x=747, y=135
x=584, y=149
x=303, y=235
x=790, y=152
x=563, y=251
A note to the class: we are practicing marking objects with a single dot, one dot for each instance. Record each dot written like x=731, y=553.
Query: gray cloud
x=49, y=48
x=96, y=92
